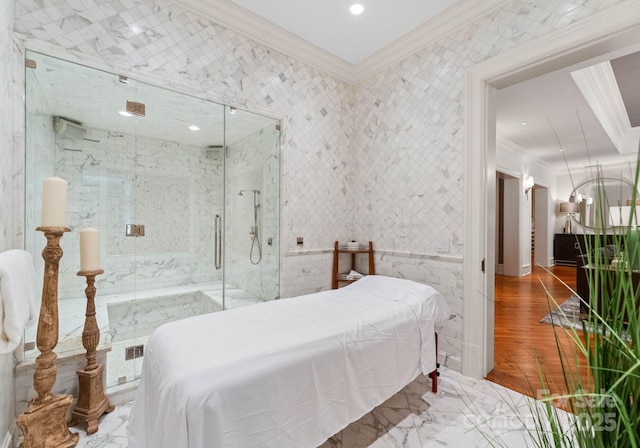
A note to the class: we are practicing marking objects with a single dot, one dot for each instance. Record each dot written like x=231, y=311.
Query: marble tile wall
x=11, y=172
x=253, y=163
x=408, y=142
x=154, y=185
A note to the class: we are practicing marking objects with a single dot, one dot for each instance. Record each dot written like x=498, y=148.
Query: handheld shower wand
x=254, y=233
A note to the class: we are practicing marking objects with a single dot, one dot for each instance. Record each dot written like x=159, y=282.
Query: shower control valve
x=134, y=230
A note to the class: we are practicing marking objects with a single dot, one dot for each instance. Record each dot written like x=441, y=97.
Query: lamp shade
x=568, y=207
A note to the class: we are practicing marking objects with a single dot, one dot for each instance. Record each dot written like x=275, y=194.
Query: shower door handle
x=218, y=243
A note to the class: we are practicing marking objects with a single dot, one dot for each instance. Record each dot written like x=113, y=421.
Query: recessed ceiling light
x=356, y=9
x=124, y=113
x=524, y=123
x=193, y=127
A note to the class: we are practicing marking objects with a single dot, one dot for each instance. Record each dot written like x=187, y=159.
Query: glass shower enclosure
x=185, y=193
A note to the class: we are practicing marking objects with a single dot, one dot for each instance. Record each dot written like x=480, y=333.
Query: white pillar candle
x=54, y=203
x=89, y=249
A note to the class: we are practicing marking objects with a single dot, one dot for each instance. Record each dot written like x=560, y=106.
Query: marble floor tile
x=382, y=428
x=465, y=413
x=112, y=430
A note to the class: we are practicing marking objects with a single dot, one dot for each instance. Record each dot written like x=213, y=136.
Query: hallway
x=521, y=341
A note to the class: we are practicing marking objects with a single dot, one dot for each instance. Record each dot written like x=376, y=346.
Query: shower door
x=169, y=221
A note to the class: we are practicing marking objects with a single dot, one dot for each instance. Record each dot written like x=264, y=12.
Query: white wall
x=544, y=216
x=512, y=238
x=514, y=161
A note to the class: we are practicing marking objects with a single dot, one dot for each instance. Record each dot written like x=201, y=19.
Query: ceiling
x=329, y=24
x=567, y=118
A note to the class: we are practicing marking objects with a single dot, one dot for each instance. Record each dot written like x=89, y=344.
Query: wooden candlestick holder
x=44, y=423
x=92, y=401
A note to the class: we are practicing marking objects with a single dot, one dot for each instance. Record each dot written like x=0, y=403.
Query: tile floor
x=461, y=414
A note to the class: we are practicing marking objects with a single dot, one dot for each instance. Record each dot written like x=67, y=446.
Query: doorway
x=599, y=34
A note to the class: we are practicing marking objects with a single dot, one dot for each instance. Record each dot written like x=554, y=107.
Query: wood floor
x=521, y=341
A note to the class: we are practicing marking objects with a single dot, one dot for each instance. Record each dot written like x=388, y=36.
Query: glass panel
x=158, y=190
x=63, y=139
x=178, y=193
x=252, y=208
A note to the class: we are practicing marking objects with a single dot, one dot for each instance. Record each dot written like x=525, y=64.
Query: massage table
x=285, y=373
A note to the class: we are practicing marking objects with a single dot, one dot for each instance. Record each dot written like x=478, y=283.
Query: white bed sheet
x=286, y=373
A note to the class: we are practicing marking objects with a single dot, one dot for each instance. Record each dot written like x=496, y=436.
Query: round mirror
x=602, y=202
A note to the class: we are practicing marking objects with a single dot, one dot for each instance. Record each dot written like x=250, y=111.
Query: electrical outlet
x=300, y=240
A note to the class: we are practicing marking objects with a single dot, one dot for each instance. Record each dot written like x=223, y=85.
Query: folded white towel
x=19, y=304
x=354, y=275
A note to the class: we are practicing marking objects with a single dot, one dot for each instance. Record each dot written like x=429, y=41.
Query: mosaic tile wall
x=379, y=161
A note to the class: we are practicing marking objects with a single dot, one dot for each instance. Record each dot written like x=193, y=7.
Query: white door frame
x=598, y=34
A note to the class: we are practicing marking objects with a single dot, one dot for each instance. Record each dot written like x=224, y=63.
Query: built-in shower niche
x=157, y=171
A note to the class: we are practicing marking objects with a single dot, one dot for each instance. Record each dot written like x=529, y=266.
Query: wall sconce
x=528, y=185
x=569, y=209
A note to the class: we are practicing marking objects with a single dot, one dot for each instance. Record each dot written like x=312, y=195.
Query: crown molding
x=452, y=18
x=599, y=87
x=510, y=147
x=248, y=24
x=242, y=21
